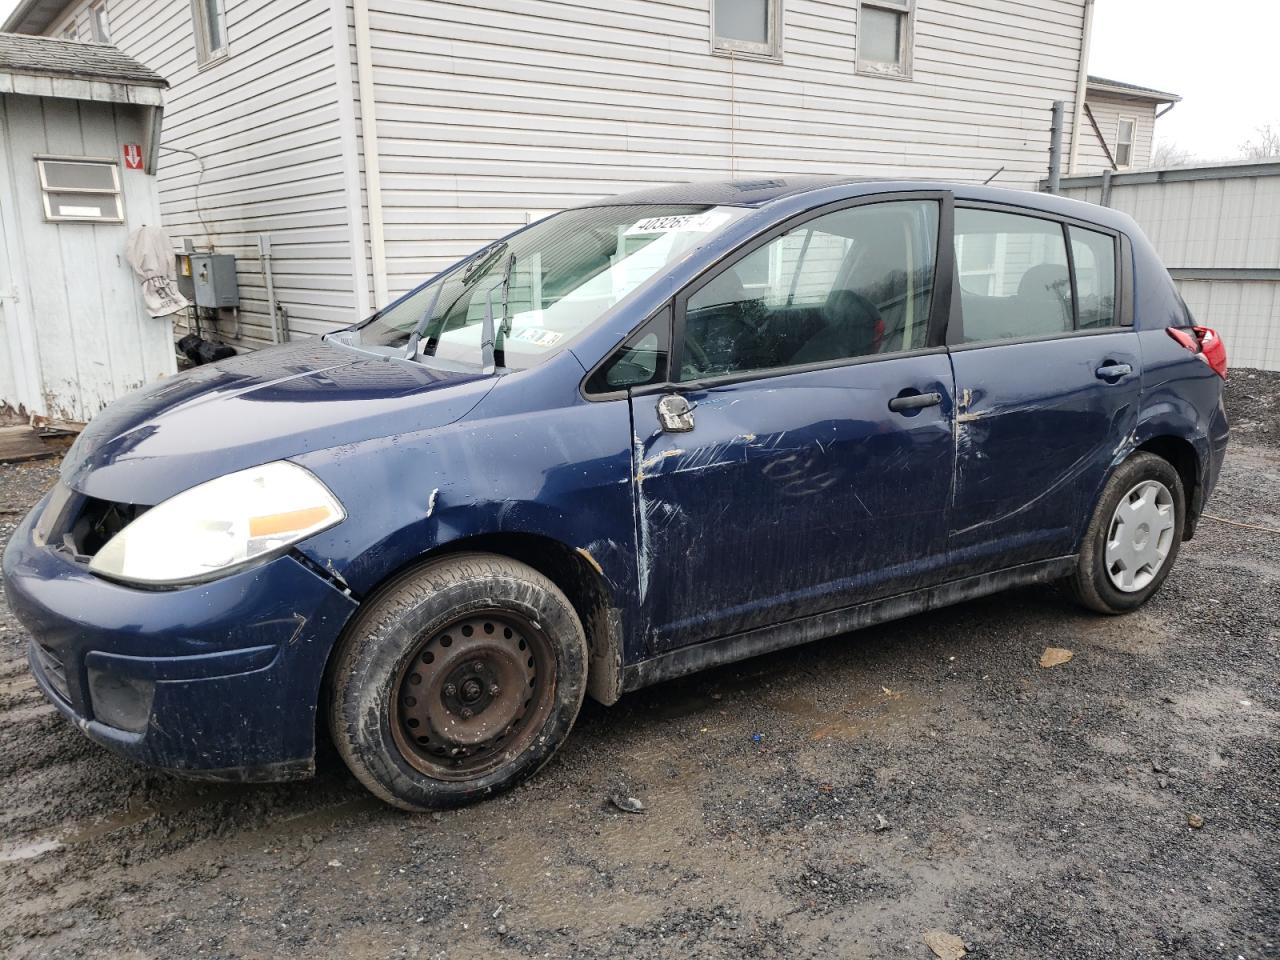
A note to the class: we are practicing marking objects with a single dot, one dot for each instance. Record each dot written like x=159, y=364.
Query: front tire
x=457, y=681
x=1133, y=537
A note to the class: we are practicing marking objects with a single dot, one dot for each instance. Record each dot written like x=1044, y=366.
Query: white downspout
x=1082, y=85
x=369, y=130
x=350, y=156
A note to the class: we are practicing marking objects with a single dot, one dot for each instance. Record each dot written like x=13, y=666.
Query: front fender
x=515, y=465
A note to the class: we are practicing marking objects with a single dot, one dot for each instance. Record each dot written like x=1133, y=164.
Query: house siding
x=489, y=116
x=1108, y=111
x=267, y=126
x=540, y=104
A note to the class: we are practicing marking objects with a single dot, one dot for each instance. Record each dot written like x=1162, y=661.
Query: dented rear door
x=1048, y=377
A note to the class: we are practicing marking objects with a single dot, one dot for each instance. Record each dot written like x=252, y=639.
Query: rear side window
x=1014, y=278
x=848, y=284
x=1094, y=257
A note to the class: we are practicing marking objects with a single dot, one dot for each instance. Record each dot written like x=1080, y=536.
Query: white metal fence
x=1218, y=230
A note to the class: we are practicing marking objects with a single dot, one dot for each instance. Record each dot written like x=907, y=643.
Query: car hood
x=274, y=403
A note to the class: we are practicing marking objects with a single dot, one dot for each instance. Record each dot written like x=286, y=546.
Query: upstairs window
x=210, y=30
x=86, y=191
x=98, y=22
x=1124, y=141
x=751, y=27
x=884, y=37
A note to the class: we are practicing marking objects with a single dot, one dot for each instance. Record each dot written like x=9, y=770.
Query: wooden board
x=19, y=444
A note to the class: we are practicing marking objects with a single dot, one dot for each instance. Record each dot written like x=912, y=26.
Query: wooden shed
x=79, y=131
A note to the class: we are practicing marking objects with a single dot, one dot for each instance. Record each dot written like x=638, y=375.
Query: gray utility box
x=213, y=277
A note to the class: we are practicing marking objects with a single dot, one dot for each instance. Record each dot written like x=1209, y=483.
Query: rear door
x=799, y=457
x=1047, y=382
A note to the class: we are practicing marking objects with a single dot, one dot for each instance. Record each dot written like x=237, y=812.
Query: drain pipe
x=279, y=323
x=1082, y=86
x=369, y=133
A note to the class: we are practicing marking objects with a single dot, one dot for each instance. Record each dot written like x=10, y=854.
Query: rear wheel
x=1133, y=536
x=459, y=680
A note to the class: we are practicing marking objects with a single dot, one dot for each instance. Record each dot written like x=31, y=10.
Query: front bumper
x=219, y=680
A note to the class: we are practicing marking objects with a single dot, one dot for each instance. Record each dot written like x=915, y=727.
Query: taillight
x=1205, y=344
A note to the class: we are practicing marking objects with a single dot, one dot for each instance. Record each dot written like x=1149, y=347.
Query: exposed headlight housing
x=220, y=526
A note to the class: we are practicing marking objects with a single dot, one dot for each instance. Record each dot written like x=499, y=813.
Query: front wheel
x=458, y=680
x=1133, y=536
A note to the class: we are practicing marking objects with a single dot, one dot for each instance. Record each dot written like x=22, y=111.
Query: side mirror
x=675, y=414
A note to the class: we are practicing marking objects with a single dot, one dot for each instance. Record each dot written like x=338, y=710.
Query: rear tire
x=457, y=681
x=1133, y=537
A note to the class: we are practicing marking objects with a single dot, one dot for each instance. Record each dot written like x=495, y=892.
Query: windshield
x=543, y=285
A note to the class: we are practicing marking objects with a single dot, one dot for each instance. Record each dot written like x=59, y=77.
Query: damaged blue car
x=635, y=439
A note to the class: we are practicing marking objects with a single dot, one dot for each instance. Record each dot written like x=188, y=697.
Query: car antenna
x=993, y=176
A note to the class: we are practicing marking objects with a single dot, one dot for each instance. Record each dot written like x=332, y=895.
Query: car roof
x=763, y=191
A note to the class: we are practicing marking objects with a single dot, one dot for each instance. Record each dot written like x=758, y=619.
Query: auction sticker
x=691, y=222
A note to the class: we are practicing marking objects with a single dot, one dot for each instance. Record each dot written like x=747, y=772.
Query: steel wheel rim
x=473, y=694
x=1140, y=536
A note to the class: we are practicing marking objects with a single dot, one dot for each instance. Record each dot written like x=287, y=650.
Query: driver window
x=849, y=284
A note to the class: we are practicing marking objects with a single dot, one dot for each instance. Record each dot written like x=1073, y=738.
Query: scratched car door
x=800, y=459
x=1048, y=376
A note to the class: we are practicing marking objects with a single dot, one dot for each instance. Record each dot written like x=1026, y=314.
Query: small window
x=1093, y=255
x=1124, y=141
x=753, y=27
x=848, y=284
x=71, y=33
x=884, y=36
x=210, y=30
x=640, y=361
x=98, y=22
x=80, y=190
x=1013, y=274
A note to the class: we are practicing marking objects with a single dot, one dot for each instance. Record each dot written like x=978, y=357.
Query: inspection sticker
x=691, y=222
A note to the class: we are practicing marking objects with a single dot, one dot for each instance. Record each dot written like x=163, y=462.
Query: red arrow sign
x=133, y=156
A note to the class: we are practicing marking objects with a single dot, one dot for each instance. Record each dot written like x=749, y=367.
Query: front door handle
x=914, y=401
x=1111, y=372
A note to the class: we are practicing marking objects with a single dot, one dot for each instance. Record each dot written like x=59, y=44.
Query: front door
x=1047, y=381
x=801, y=458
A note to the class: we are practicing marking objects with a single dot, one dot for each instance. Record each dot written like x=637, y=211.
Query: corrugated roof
x=1133, y=90
x=22, y=55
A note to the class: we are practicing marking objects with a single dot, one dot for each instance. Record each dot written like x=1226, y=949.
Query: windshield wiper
x=480, y=261
x=411, y=352
x=491, y=352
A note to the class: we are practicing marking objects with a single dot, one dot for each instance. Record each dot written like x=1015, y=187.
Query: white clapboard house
x=373, y=141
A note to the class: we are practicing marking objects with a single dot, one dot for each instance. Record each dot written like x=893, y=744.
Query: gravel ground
x=924, y=776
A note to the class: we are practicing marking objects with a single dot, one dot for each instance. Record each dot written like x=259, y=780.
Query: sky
x=1221, y=57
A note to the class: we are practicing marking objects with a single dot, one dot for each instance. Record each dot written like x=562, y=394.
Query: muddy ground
x=926, y=775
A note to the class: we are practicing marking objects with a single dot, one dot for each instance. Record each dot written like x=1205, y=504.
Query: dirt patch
x=1253, y=406
x=838, y=800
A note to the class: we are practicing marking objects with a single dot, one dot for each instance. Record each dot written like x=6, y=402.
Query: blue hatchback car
x=638, y=438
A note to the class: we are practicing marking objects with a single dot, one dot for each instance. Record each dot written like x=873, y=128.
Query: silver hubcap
x=1140, y=536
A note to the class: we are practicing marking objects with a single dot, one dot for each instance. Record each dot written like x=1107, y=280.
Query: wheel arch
x=1182, y=455
x=574, y=570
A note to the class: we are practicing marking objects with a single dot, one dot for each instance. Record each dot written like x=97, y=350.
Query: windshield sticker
x=538, y=336
x=689, y=223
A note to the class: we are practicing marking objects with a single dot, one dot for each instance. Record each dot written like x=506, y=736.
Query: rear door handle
x=1113, y=371
x=915, y=401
